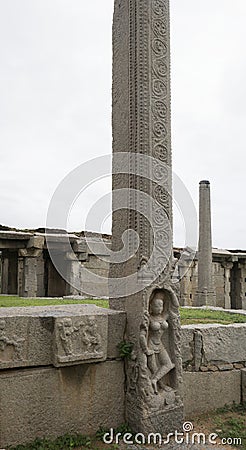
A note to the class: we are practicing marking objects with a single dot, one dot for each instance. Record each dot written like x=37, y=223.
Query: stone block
x=213, y=368
x=116, y=331
x=223, y=367
x=95, y=262
x=98, y=247
x=58, y=335
x=216, y=389
x=243, y=373
x=187, y=344
x=238, y=366
x=48, y=402
x=96, y=290
x=26, y=340
x=80, y=246
x=224, y=343
x=220, y=344
x=36, y=242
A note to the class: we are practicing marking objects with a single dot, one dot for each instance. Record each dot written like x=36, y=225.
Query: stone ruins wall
x=27, y=270
x=229, y=279
x=60, y=370
x=214, y=361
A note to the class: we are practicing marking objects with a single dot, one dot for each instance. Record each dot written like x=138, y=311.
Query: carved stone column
x=206, y=291
x=142, y=202
x=27, y=268
x=227, y=295
x=73, y=273
x=4, y=275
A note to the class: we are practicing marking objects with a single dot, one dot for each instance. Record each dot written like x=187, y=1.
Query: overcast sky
x=55, y=106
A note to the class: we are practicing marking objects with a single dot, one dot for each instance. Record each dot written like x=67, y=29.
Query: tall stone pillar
x=140, y=273
x=206, y=291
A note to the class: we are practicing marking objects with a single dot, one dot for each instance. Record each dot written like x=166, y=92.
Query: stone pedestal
x=140, y=273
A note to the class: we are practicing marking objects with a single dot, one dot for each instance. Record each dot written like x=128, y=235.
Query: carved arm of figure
x=144, y=346
x=143, y=335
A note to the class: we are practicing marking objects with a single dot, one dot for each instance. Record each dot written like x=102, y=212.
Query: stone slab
x=207, y=391
x=224, y=343
x=48, y=402
x=221, y=345
x=187, y=344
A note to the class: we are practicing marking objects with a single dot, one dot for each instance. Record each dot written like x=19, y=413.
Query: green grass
x=76, y=442
x=193, y=316
x=228, y=422
x=188, y=316
x=232, y=423
x=66, y=442
x=6, y=302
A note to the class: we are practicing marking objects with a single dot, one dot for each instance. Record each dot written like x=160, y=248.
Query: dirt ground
x=227, y=424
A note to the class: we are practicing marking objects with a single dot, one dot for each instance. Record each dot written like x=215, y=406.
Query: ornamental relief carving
x=11, y=346
x=79, y=339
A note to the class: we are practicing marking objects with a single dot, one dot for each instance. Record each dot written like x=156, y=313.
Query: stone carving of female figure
x=156, y=322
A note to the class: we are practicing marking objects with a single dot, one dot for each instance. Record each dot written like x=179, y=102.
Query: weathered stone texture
x=142, y=174
x=224, y=343
x=243, y=373
x=206, y=292
x=50, y=402
x=187, y=344
x=218, y=345
x=208, y=391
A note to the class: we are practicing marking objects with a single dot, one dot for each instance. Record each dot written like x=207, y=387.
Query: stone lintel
x=8, y=244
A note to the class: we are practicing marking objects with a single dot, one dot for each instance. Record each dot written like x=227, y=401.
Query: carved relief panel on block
x=12, y=344
x=80, y=340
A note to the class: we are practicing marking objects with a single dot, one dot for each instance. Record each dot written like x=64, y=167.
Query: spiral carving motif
x=161, y=152
x=161, y=122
